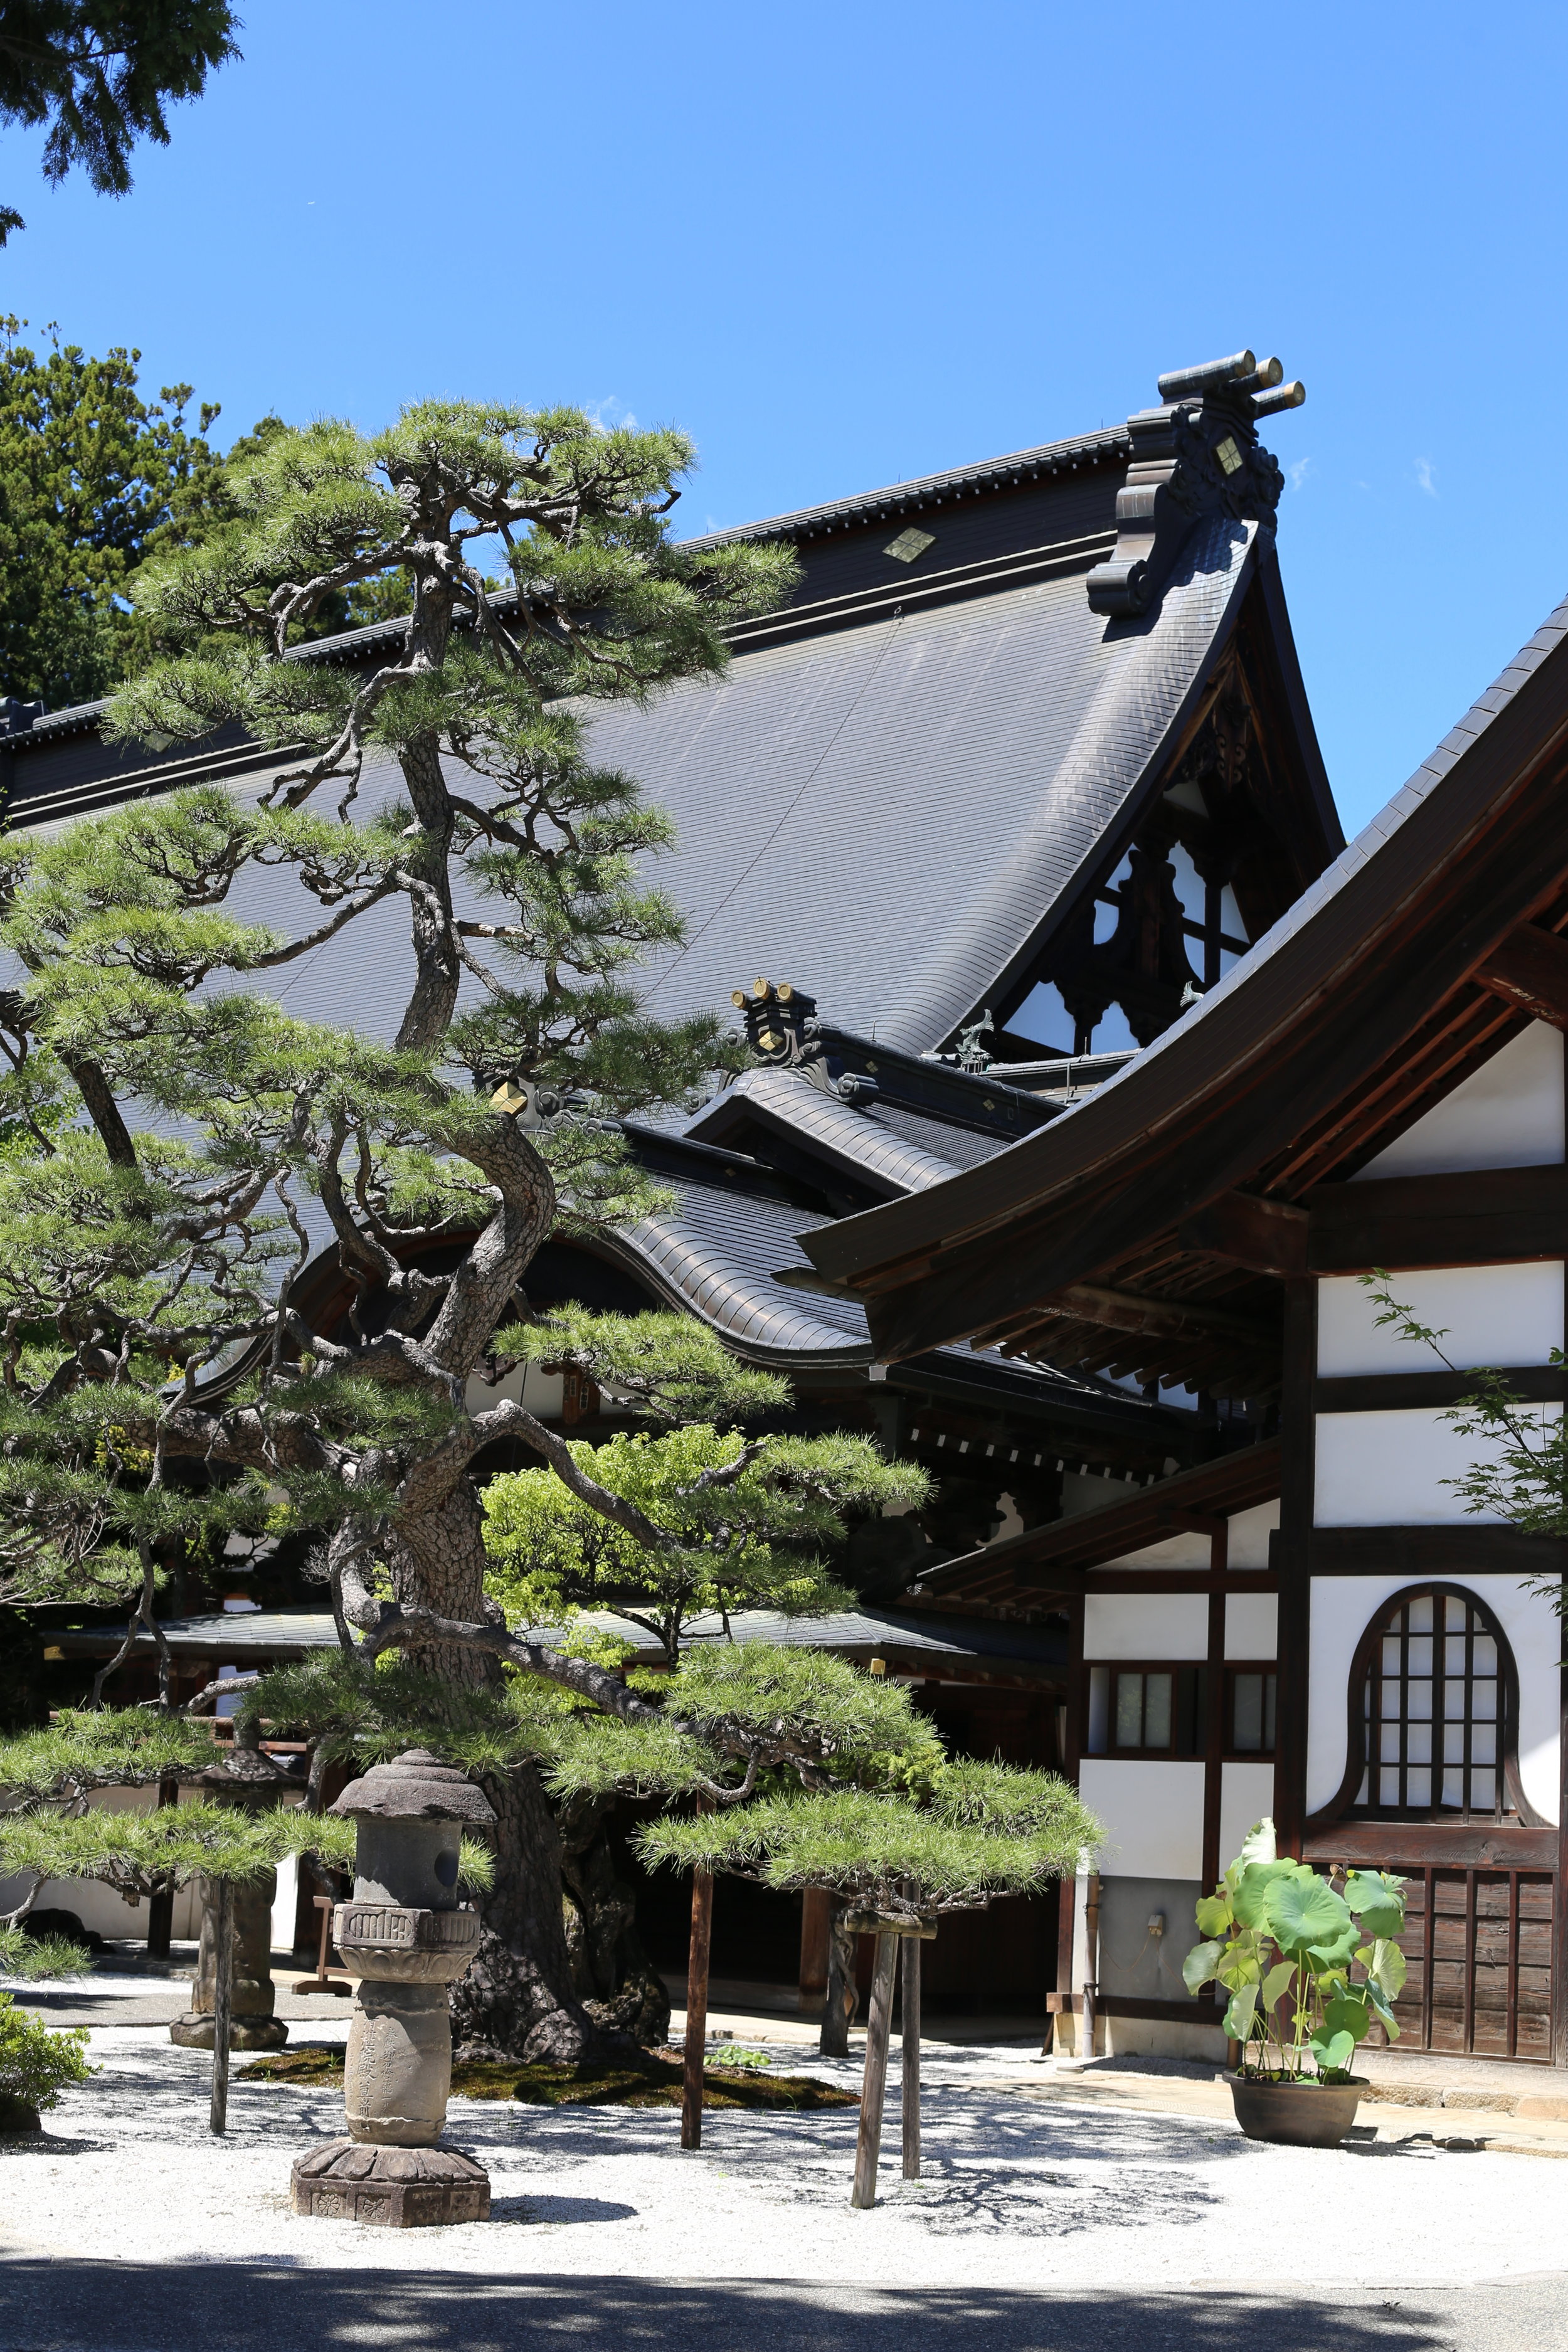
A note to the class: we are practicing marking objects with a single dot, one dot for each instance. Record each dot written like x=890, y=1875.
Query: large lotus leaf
x=1305, y=1914
x=1387, y=1968
x=1349, y=2014
x=1278, y=1982
x=1252, y=1891
x=1214, y=1915
x=1239, y=2016
x=1258, y=1845
x=1377, y=2002
x=1333, y=1957
x=1333, y=2052
x=1200, y=1965
x=1377, y=1900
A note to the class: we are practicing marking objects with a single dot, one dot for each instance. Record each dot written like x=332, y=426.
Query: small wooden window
x=1249, y=1705
x=1146, y=1709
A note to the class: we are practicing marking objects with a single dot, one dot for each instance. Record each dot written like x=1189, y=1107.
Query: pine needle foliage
x=145, y=1854
x=742, y=1524
x=881, y=1854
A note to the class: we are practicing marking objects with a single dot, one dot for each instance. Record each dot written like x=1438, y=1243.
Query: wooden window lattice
x=1432, y=1708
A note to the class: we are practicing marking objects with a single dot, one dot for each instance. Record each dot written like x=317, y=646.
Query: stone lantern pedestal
x=407, y=1941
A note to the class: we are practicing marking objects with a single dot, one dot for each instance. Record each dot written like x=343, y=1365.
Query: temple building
x=1348, y=1623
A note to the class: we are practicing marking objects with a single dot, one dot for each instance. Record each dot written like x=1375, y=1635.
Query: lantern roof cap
x=415, y=1787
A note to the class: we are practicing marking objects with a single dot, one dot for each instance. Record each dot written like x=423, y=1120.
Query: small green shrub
x=36, y=2064
x=734, y=2053
x=30, y=1957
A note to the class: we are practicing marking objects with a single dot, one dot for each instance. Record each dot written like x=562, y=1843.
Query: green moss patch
x=654, y=2083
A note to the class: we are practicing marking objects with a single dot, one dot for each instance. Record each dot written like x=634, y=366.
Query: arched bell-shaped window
x=1434, y=1715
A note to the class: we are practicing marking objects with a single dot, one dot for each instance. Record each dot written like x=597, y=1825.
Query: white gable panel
x=1487, y=1313
x=1506, y=1114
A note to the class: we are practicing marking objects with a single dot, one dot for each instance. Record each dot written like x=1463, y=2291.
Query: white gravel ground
x=1015, y=2193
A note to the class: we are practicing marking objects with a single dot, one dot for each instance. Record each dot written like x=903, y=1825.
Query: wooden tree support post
x=697, y=2007
x=910, y=1959
x=161, y=1906
x=878, y=2025
x=223, y=1999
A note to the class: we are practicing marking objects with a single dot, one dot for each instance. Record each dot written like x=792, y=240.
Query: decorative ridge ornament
x=1196, y=455
x=781, y=1022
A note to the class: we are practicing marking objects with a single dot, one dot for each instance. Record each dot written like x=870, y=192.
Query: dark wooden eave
x=1437, y=937
x=1048, y=1564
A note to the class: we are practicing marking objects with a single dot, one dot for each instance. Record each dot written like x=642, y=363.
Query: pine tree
x=161, y=1386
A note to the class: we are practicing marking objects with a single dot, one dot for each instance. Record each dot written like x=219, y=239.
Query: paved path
x=96, y=2306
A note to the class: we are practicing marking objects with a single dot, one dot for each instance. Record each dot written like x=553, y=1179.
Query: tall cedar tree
x=100, y=73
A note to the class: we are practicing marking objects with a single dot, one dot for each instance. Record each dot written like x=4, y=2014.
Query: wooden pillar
x=223, y=1999
x=1298, y=1449
x=816, y=1918
x=1560, y=1882
x=879, y=2023
x=910, y=1958
x=1072, y=1757
x=1214, y=1728
x=697, y=2007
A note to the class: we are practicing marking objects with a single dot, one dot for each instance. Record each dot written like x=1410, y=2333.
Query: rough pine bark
x=517, y=2000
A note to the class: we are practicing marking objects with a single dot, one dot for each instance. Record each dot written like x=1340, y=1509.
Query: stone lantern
x=405, y=1936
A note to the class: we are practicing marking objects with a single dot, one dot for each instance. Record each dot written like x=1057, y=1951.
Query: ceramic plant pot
x=1296, y=2114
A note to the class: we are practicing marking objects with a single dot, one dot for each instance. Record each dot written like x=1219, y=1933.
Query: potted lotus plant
x=1308, y=1969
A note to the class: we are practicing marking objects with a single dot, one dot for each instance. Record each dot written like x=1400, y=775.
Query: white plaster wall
x=1390, y=1469
x=1487, y=1313
x=1246, y=1795
x=1343, y=1606
x=1247, y=1546
x=1252, y=1625
x=1506, y=1114
x=1146, y=1625
x=1250, y=1532
x=1153, y=1816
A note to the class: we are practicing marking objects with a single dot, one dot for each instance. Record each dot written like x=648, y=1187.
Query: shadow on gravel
x=255, y=2307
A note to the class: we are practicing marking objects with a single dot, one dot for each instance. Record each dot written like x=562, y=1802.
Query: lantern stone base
x=194, y=2032
x=390, y=2187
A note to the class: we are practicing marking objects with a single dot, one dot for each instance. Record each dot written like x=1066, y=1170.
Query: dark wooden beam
x=1491, y=1216
x=1530, y=969
x=1124, y=1310
x=1391, y=1391
x=1440, y=1845
x=1421, y=1553
x=1265, y=1236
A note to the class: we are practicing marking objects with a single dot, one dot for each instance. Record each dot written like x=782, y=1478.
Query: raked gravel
x=1016, y=2192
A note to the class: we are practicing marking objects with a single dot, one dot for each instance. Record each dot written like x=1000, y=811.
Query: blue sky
x=844, y=244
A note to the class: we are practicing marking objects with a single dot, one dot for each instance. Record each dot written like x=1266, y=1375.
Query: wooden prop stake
x=223, y=1999
x=910, y=1959
x=161, y=1906
x=875, y=2082
x=697, y=2007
